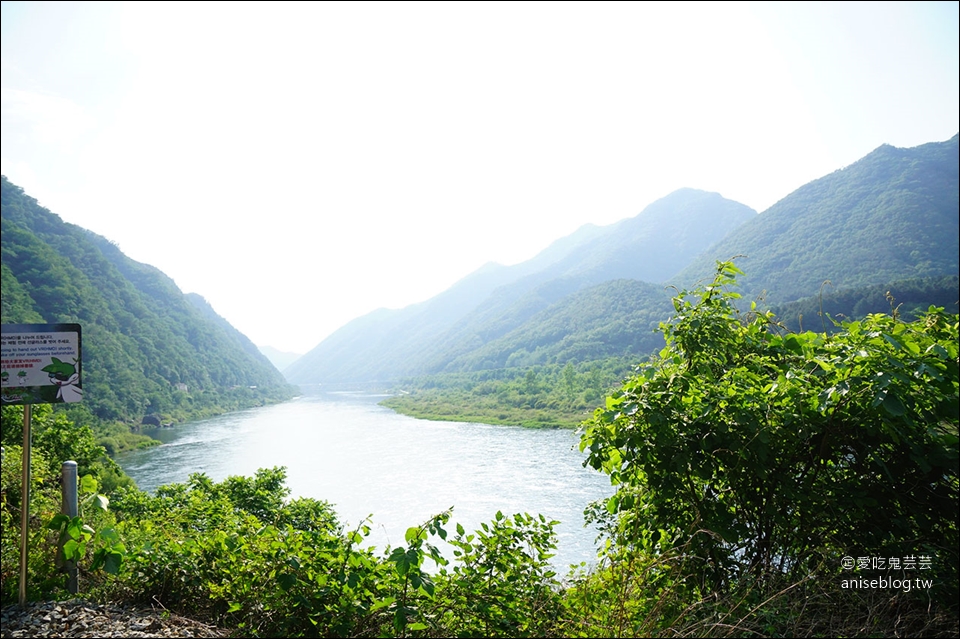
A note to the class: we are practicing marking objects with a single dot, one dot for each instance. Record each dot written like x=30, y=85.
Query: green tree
x=765, y=452
x=57, y=437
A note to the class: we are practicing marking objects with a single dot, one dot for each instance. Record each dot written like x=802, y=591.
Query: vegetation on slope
x=148, y=349
x=547, y=396
x=555, y=382
x=783, y=468
x=908, y=298
x=750, y=461
x=487, y=305
x=615, y=319
x=891, y=215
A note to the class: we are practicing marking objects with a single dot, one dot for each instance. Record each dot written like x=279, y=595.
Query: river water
x=367, y=460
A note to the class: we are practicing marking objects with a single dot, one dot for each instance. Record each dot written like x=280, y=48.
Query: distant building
x=181, y=386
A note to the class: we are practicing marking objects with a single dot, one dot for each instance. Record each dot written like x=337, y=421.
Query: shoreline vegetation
x=564, y=395
x=757, y=418
x=437, y=408
x=123, y=436
x=150, y=352
x=546, y=396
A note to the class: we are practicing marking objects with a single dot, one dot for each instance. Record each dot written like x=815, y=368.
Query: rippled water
x=365, y=459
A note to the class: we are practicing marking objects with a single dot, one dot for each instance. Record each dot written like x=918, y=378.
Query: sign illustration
x=40, y=364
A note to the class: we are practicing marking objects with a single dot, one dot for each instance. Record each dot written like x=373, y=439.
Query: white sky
x=302, y=164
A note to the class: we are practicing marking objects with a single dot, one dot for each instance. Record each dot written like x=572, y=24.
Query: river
x=368, y=460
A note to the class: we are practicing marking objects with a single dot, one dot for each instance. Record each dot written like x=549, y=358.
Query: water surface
x=367, y=460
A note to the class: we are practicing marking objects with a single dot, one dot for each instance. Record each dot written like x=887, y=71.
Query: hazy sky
x=302, y=164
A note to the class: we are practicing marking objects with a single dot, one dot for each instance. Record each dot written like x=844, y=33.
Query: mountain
x=652, y=246
x=871, y=229
x=887, y=223
x=280, y=359
x=147, y=347
x=909, y=298
x=615, y=319
x=891, y=215
x=495, y=300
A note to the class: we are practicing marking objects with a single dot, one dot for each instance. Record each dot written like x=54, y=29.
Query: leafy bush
x=769, y=454
x=44, y=502
x=502, y=584
x=748, y=460
x=235, y=550
x=55, y=439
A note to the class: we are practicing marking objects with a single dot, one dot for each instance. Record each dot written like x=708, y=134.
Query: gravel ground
x=79, y=618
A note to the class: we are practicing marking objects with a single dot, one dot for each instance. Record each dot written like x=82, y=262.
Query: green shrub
x=765, y=454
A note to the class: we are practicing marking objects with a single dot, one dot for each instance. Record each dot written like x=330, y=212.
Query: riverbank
x=119, y=436
x=543, y=396
x=437, y=407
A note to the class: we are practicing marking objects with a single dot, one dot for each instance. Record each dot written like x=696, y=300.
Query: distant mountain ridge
x=280, y=359
x=890, y=216
x=147, y=347
x=614, y=319
x=494, y=300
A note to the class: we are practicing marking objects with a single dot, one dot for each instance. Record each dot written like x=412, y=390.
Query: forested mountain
x=147, y=347
x=907, y=298
x=385, y=341
x=890, y=216
x=615, y=319
x=492, y=302
x=887, y=223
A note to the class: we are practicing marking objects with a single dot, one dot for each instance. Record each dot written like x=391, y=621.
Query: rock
x=79, y=618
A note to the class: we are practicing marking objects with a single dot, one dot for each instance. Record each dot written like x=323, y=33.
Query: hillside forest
x=149, y=351
x=772, y=395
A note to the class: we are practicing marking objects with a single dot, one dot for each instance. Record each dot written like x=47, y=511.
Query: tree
x=764, y=452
